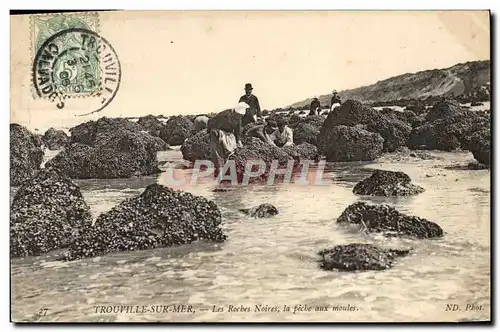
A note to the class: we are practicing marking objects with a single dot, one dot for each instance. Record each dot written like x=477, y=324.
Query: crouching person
x=265, y=132
x=225, y=134
x=284, y=134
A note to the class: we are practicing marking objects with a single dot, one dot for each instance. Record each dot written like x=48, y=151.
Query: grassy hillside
x=459, y=79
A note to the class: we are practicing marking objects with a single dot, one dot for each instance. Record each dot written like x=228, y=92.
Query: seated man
x=265, y=132
x=284, y=135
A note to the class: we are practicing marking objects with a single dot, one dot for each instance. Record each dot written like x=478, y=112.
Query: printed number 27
x=43, y=311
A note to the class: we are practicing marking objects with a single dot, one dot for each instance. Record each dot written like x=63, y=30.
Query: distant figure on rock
x=225, y=134
x=335, y=101
x=315, y=107
x=284, y=135
x=265, y=132
x=253, y=113
x=200, y=122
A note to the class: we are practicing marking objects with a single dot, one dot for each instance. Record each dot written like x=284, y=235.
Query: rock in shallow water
x=25, y=154
x=197, y=147
x=448, y=125
x=479, y=143
x=261, y=211
x=358, y=256
x=125, y=154
x=342, y=143
x=387, y=220
x=387, y=183
x=394, y=132
x=158, y=217
x=47, y=213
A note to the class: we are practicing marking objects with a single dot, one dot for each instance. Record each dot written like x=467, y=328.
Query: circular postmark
x=77, y=63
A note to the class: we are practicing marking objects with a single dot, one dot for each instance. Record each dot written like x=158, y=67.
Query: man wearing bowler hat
x=253, y=113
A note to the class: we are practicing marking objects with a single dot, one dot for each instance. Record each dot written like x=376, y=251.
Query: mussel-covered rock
x=26, y=155
x=176, y=130
x=406, y=116
x=255, y=150
x=151, y=124
x=359, y=257
x=479, y=143
x=387, y=220
x=302, y=151
x=444, y=109
x=446, y=133
x=261, y=211
x=55, y=139
x=47, y=213
x=351, y=113
x=387, y=183
x=126, y=154
x=197, y=147
x=343, y=143
x=315, y=120
x=98, y=132
x=158, y=217
x=306, y=133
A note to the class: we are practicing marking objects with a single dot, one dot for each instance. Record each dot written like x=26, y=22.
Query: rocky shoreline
x=48, y=211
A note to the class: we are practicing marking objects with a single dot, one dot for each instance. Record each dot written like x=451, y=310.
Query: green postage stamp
x=58, y=53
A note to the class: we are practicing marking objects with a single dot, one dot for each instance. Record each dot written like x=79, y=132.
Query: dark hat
x=248, y=86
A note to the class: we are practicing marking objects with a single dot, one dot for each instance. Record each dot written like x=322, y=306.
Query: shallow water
x=273, y=261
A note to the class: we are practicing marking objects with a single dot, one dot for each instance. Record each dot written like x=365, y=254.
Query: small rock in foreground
x=387, y=220
x=158, y=217
x=358, y=256
x=261, y=211
x=387, y=183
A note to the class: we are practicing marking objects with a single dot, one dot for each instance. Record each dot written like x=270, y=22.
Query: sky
x=199, y=62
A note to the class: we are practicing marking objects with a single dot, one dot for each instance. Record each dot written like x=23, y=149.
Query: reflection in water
x=273, y=261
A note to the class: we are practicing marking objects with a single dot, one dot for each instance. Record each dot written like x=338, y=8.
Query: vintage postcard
x=250, y=166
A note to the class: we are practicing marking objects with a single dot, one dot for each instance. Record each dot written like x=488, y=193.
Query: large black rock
x=447, y=132
x=351, y=113
x=386, y=219
x=93, y=133
x=47, y=213
x=304, y=151
x=343, y=143
x=176, y=130
x=254, y=149
x=306, y=133
x=479, y=143
x=55, y=139
x=359, y=257
x=26, y=155
x=197, y=147
x=126, y=154
x=387, y=183
x=444, y=109
x=158, y=217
